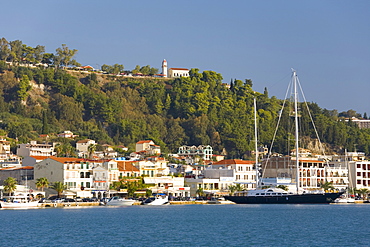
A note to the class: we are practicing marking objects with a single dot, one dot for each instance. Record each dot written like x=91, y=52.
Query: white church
x=173, y=72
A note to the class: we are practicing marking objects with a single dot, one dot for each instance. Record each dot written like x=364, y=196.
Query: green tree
x=10, y=185
x=24, y=87
x=232, y=189
x=364, y=193
x=281, y=186
x=327, y=186
x=4, y=49
x=91, y=150
x=42, y=183
x=200, y=192
x=64, y=56
x=59, y=187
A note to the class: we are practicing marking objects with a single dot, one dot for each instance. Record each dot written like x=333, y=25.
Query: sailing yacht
x=278, y=195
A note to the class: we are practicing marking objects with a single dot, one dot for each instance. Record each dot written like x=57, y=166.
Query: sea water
x=189, y=225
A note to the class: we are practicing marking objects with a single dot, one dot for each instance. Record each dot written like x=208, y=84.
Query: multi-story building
x=75, y=173
x=82, y=147
x=193, y=153
x=153, y=167
x=127, y=169
x=35, y=149
x=147, y=147
x=5, y=152
x=312, y=172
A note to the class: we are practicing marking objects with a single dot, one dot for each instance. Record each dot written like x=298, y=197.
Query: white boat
x=344, y=199
x=158, y=199
x=20, y=201
x=117, y=201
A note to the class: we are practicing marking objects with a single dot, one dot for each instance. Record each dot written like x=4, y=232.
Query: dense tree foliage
x=194, y=110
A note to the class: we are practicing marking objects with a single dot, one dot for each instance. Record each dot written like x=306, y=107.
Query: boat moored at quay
x=262, y=195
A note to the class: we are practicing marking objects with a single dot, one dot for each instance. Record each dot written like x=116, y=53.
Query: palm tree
x=10, y=185
x=91, y=150
x=239, y=187
x=42, y=183
x=281, y=186
x=200, y=192
x=364, y=193
x=59, y=187
x=327, y=186
x=232, y=189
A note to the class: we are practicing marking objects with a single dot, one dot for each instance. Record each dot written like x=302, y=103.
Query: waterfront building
x=312, y=172
x=243, y=171
x=100, y=181
x=35, y=149
x=153, y=167
x=22, y=174
x=75, y=173
x=208, y=185
x=174, y=186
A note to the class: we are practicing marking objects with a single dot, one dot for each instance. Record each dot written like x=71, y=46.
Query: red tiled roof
x=234, y=162
x=127, y=166
x=178, y=69
x=146, y=141
x=41, y=157
x=65, y=159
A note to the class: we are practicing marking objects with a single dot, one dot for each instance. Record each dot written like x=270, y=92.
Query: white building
x=147, y=147
x=35, y=149
x=178, y=72
x=82, y=146
x=173, y=72
x=173, y=186
x=75, y=173
x=194, y=153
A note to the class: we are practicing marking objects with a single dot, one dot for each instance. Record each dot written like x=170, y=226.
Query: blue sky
x=327, y=42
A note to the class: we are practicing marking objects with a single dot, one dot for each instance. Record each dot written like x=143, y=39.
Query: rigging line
x=313, y=123
x=276, y=129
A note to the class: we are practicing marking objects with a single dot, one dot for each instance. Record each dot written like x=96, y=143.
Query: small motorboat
x=117, y=201
x=156, y=199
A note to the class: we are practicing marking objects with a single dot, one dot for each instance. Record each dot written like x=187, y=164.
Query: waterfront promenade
x=88, y=204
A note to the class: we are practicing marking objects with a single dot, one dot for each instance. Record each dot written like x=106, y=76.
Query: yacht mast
x=255, y=142
x=296, y=127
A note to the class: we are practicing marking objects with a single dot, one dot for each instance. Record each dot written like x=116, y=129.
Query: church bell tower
x=164, y=68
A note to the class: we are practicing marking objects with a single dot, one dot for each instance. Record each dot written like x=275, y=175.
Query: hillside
x=184, y=111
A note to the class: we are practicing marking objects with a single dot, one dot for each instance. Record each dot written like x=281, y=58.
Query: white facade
x=164, y=68
x=83, y=145
x=34, y=149
x=75, y=173
x=153, y=167
x=204, y=152
x=178, y=72
x=100, y=178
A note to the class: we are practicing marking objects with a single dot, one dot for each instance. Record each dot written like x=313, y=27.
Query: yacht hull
x=286, y=199
x=18, y=205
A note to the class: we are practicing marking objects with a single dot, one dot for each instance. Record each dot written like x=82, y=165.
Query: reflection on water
x=188, y=225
